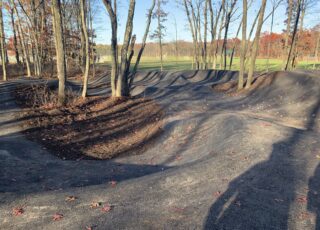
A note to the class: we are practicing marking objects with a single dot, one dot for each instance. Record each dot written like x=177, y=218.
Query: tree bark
x=3, y=45
x=60, y=50
x=145, y=36
x=87, y=54
x=22, y=40
x=293, y=40
x=243, y=44
x=288, y=30
x=15, y=41
x=256, y=45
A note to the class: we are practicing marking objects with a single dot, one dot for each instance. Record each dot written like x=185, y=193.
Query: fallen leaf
x=106, y=208
x=17, y=211
x=177, y=209
x=89, y=228
x=178, y=158
x=71, y=198
x=57, y=217
x=302, y=199
x=113, y=183
x=304, y=216
x=278, y=200
x=217, y=194
x=95, y=204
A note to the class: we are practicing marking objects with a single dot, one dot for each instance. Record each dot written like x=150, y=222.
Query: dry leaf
x=57, y=216
x=95, y=204
x=106, y=208
x=113, y=183
x=217, y=194
x=302, y=199
x=17, y=211
x=71, y=198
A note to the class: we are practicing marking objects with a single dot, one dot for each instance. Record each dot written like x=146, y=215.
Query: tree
x=60, y=49
x=159, y=33
x=15, y=40
x=22, y=39
x=294, y=33
x=87, y=54
x=2, y=44
x=145, y=36
x=256, y=44
x=243, y=44
x=120, y=71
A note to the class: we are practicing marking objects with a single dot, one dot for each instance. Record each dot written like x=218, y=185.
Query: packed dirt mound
x=224, y=161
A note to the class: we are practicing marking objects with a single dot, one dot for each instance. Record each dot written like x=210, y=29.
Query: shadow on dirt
x=260, y=198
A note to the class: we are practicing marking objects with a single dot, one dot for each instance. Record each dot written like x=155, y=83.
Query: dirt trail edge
x=242, y=162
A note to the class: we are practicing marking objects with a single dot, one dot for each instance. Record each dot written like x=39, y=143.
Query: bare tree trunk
x=316, y=52
x=145, y=36
x=160, y=36
x=205, y=34
x=60, y=51
x=120, y=74
x=293, y=40
x=234, y=46
x=122, y=84
x=243, y=44
x=15, y=43
x=22, y=40
x=217, y=48
x=256, y=45
x=299, y=33
x=269, y=43
x=87, y=54
x=114, y=43
x=286, y=46
x=224, y=46
x=3, y=45
x=193, y=33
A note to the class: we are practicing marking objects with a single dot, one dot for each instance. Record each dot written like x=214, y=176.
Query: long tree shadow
x=261, y=197
x=314, y=196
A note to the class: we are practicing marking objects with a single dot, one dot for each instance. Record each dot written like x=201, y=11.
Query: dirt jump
x=224, y=160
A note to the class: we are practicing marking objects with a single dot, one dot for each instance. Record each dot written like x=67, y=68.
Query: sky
x=175, y=12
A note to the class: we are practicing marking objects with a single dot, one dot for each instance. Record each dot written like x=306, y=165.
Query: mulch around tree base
x=95, y=128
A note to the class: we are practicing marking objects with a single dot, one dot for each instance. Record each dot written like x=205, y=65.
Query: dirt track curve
x=241, y=162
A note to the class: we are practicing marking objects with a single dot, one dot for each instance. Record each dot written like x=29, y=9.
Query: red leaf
x=106, y=208
x=113, y=183
x=302, y=199
x=57, y=217
x=17, y=211
x=217, y=194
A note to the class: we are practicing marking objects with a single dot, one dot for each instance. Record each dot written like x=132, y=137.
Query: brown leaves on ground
x=18, y=211
x=95, y=128
x=57, y=217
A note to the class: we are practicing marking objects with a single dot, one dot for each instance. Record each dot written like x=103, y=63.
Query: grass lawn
x=185, y=63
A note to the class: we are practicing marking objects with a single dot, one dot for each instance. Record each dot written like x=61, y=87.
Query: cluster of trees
x=203, y=17
x=61, y=32
x=46, y=32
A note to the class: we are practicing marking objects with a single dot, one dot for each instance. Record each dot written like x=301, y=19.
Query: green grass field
x=185, y=63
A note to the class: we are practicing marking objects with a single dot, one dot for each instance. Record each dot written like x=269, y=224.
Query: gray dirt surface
x=242, y=162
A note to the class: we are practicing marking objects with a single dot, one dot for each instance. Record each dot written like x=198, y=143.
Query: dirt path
x=223, y=163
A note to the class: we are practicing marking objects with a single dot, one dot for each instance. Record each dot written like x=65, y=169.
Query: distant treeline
x=306, y=46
